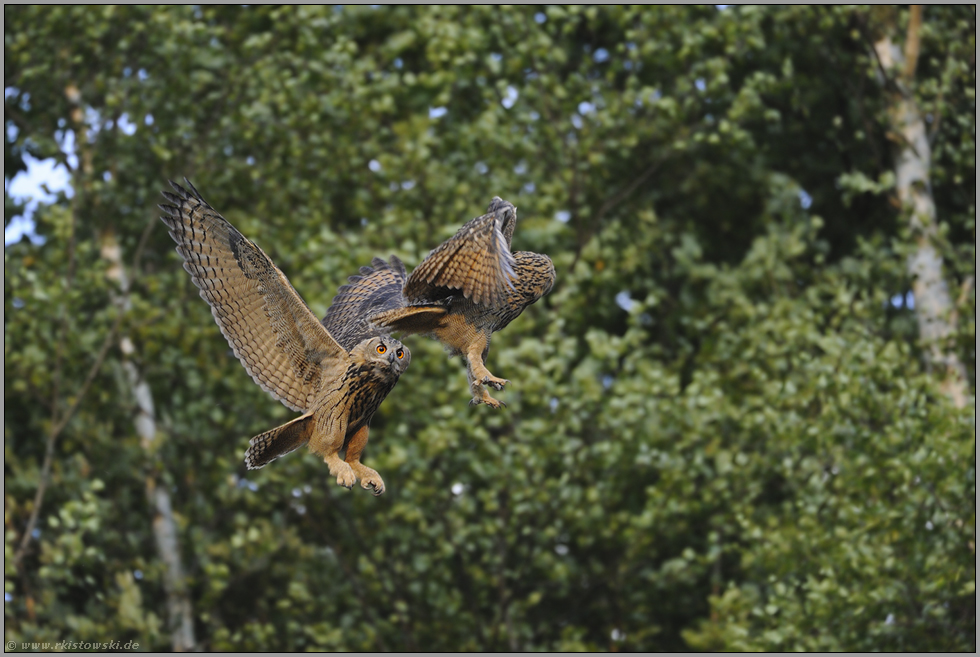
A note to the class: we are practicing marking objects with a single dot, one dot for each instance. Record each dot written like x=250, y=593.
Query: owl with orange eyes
x=466, y=289
x=336, y=379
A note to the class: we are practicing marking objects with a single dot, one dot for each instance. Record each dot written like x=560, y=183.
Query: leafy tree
x=722, y=431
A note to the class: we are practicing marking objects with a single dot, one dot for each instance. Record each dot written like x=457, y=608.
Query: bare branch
x=141, y=245
x=619, y=196
x=912, y=42
x=56, y=432
x=612, y=202
x=59, y=423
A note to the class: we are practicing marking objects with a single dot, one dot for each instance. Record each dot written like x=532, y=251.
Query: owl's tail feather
x=412, y=319
x=267, y=447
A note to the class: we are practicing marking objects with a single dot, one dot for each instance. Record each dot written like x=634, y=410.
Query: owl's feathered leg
x=479, y=375
x=327, y=441
x=369, y=478
x=267, y=447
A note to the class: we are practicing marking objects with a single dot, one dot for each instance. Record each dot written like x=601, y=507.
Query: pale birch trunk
x=179, y=613
x=912, y=153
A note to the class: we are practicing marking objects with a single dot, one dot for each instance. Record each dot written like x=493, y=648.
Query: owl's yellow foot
x=370, y=479
x=341, y=470
x=495, y=382
x=375, y=484
x=346, y=479
x=481, y=396
x=479, y=376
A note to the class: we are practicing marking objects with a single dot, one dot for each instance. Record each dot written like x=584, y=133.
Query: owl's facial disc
x=398, y=355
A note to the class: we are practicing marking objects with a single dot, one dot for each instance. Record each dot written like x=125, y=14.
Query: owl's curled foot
x=370, y=479
x=495, y=382
x=341, y=470
x=481, y=396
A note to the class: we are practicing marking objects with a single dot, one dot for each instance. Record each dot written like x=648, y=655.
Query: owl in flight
x=467, y=288
x=337, y=381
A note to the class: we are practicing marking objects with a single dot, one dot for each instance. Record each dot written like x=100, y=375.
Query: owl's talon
x=494, y=382
x=370, y=479
x=485, y=398
x=376, y=486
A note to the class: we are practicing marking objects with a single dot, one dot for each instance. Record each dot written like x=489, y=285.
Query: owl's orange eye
x=382, y=348
x=400, y=354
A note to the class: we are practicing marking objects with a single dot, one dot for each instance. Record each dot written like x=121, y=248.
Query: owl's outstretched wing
x=476, y=261
x=268, y=325
x=375, y=292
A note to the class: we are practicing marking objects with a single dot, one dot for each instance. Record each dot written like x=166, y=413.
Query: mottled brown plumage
x=337, y=387
x=467, y=288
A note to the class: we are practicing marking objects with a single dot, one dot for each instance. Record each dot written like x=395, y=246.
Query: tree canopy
x=723, y=431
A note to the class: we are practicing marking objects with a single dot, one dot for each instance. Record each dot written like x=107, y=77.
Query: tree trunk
x=912, y=154
x=179, y=612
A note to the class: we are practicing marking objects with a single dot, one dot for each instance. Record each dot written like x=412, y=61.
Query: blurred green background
x=722, y=431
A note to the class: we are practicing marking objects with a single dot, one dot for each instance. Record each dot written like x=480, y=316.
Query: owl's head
x=385, y=353
x=536, y=275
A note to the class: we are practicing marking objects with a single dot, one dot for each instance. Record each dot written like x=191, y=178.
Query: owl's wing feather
x=476, y=260
x=412, y=319
x=377, y=289
x=268, y=325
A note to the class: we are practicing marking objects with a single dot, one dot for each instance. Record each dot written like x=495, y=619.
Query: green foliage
x=719, y=433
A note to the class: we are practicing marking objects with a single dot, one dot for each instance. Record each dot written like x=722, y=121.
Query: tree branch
x=53, y=437
x=612, y=202
x=60, y=423
x=912, y=42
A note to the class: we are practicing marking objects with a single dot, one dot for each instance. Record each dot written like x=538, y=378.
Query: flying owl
x=467, y=288
x=337, y=386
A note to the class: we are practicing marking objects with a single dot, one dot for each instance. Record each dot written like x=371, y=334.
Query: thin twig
x=629, y=189
x=53, y=437
x=912, y=42
x=888, y=82
x=612, y=202
x=142, y=245
x=59, y=423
